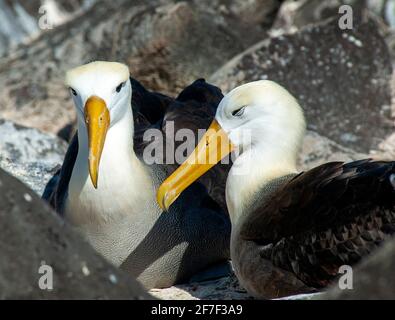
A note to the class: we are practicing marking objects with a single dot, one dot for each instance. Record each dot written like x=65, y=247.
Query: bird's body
x=305, y=227
x=291, y=232
x=117, y=211
x=106, y=220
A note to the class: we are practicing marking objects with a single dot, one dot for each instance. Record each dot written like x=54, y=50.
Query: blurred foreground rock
x=373, y=279
x=166, y=43
x=341, y=79
x=31, y=235
x=30, y=155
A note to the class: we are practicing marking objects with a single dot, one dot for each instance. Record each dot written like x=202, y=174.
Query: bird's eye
x=74, y=93
x=119, y=88
x=238, y=112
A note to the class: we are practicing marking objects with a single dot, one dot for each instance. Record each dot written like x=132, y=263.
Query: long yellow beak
x=212, y=148
x=97, y=119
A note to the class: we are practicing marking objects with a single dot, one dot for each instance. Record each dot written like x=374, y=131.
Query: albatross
x=291, y=231
x=108, y=192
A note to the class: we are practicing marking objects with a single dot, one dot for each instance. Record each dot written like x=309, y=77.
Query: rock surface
x=31, y=235
x=21, y=21
x=224, y=289
x=341, y=78
x=30, y=155
x=317, y=149
x=294, y=15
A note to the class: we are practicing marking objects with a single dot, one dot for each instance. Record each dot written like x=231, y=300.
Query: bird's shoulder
x=327, y=196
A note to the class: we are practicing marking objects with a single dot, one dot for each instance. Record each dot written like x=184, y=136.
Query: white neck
x=252, y=170
x=121, y=177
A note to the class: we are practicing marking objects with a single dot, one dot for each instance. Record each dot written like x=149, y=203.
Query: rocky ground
x=343, y=79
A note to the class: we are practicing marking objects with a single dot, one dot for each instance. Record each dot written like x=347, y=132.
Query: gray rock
x=227, y=288
x=19, y=20
x=30, y=155
x=374, y=278
x=295, y=14
x=341, y=78
x=32, y=235
x=166, y=43
x=317, y=150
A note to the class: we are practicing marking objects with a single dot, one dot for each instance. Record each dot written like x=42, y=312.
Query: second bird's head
x=102, y=93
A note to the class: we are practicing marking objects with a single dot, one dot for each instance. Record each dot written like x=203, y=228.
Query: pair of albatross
x=291, y=232
x=107, y=191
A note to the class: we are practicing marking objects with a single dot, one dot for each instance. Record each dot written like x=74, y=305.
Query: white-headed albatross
x=107, y=191
x=291, y=232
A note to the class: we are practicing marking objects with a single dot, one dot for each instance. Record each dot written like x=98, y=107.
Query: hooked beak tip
x=163, y=197
x=94, y=180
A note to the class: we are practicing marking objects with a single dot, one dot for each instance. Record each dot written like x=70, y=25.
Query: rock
x=30, y=155
x=295, y=14
x=341, y=78
x=386, y=148
x=20, y=19
x=31, y=235
x=166, y=43
x=226, y=288
x=373, y=278
x=317, y=150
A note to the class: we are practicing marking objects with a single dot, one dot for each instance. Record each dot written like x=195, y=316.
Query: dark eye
x=119, y=88
x=238, y=112
x=73, y=91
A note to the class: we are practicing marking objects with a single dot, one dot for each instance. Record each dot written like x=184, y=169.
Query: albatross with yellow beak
x=291, y=232
x=107, y=191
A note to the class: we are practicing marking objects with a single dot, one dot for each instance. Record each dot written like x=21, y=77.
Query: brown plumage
x=327, y=217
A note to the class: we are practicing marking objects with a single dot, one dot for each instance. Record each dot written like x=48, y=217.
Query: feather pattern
x=319, y=220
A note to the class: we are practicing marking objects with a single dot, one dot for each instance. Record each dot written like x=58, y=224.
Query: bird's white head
x=102, y=95
x=262, y=114
x=262, y=121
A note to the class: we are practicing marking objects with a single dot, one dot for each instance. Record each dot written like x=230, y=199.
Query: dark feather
x=327, y=217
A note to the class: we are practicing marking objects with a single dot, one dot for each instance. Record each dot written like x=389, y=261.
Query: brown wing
x=327, y=217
